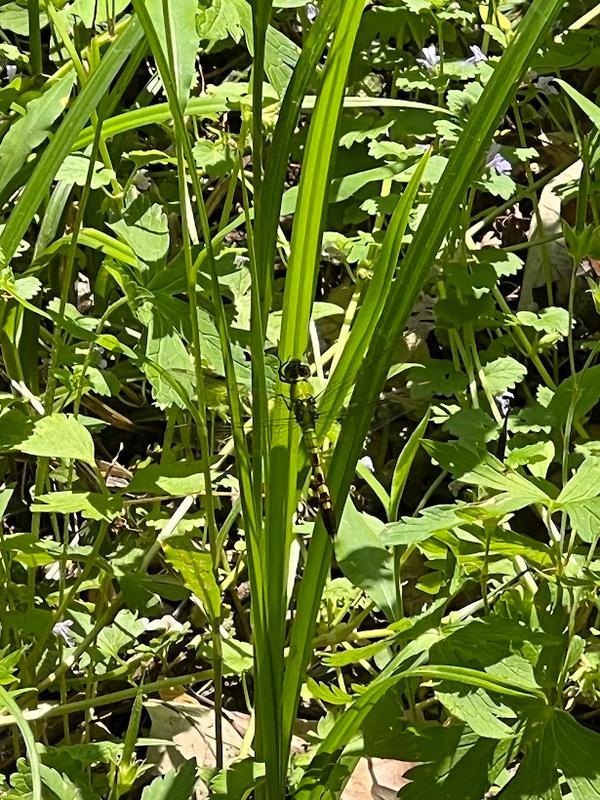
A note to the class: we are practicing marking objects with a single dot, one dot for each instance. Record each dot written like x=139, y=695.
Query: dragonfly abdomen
x=304, y=406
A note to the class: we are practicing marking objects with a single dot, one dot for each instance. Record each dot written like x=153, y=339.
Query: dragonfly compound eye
x=293, y=371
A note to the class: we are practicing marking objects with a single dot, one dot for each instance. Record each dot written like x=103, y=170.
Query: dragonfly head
x=293, y=371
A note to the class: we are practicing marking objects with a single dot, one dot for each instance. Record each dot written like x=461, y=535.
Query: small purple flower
x=63, y=630
x=478, y=56
x=312, y=12
x=545, y=85
x=495, y=161
x=430, y=58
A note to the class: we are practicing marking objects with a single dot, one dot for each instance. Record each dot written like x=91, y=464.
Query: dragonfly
x=296, y=374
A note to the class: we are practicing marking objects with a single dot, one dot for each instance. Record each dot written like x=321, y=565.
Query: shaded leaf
x=364, y=560
x=196, y=568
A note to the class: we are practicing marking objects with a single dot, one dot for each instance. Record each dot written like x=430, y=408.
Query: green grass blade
x=314, y=188
x=448, y=194
x=8, y=702
x=297, y=306
x=277, y=162
x=403, y=465
x=376, y=294
x=62, y=143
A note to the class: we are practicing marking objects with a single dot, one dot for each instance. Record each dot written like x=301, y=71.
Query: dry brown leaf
x=376, y=779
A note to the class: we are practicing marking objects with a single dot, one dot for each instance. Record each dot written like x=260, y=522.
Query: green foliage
x=403, y=195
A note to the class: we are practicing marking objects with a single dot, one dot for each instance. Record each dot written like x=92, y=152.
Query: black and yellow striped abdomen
x=304, y=407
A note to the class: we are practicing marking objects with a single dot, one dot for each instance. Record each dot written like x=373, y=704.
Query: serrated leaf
x=536, y=457
x=411, y=530
x=481, y=713
x=196, y=568
x=218, y=21
x=58, y=436
x=237, y=656
x=74, y=169
x=550, y=320
x=328, y=693
x=492, y=474
x=503, y=373
x=504, y=264
x=472, y=425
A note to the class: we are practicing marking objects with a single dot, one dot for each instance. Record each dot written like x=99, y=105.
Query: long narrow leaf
x=34, y=760
x=444, y=204
x=61, y=145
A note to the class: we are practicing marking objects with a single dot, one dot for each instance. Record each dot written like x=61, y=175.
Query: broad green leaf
x=176, y=479
x=577, y=756
x=184, y=40
x=196, y=568
x=536, y=457
x=75, y=167
x=58, y=436
x=145, y=229
x=238, y=781
x=473, y=427
x=536, y=777
x=583, y=485
x=459, y=771
x=411, y=530
x=364, y=560
x=32, y=128
x=503, y=373
x=122, y=633
x=168, y=363
x=238, y=657
x=15, y=427
x=178, y=784
x=492, y=474
x=584, y=517
x=550, y=320
x=557, y=742
x=90, y=11
x=218, y=21
x=280, y=54
x=90, y=505
x=582, y=390
x=481, y=713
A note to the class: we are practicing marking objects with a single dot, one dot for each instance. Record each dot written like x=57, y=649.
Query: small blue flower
x=545, y=85
x=430, y=58
x=478, y=56
x=496, y=161
x=312, y=12
x=63, y=630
